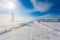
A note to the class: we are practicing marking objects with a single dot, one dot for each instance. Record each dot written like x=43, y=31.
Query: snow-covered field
x=31, y=31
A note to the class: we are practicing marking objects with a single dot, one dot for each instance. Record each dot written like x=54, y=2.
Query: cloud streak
x=41, y=6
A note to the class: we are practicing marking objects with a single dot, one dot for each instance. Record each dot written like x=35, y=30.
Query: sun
x=10, y=5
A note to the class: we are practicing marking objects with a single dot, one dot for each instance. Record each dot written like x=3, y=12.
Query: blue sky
x=31, y=8
x=54, y=9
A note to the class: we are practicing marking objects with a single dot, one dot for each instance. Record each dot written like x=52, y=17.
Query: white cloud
x=4, y=3
x=41, y=6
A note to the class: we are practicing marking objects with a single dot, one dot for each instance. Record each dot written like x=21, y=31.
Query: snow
x=31, y=31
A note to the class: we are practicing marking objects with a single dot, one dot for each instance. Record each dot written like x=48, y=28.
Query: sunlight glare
x=10, y=5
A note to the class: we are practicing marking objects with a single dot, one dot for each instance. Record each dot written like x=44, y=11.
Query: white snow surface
x=31, y=31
